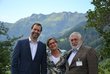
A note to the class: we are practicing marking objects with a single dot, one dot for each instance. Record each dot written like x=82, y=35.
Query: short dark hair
x=38, y=24
x=51, y=39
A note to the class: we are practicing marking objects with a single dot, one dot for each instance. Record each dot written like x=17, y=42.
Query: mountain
x=54, y=24
x=59, y=25
x=90, y=37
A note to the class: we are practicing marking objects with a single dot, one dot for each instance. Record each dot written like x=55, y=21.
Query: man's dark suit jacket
x=22, y=62
x=89, y=62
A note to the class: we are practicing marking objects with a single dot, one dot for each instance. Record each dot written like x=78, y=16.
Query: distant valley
x=59, y=25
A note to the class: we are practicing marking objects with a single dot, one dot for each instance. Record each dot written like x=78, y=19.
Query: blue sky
x=13, y=10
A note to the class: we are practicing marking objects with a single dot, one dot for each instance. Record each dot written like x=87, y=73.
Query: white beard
x=78, y=46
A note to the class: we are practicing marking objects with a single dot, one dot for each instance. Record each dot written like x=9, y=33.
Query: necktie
x=74, y=50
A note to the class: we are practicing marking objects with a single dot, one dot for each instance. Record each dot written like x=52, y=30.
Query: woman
x=54, y=58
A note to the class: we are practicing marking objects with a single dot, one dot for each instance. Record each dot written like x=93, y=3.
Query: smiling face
x=52, y=44
x=75, y=39
x=35, y=32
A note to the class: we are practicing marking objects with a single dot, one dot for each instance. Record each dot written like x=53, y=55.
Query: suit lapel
x=28, y=49
x=78, y=54
x=68, y=55
x=38, y=51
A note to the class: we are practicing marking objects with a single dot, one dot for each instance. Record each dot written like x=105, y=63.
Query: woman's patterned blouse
x=57, y=68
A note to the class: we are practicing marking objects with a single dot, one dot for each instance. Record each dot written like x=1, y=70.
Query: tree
x=6, y=44
x=100, y=20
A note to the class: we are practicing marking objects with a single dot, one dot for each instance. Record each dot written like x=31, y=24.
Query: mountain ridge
x=54, y=24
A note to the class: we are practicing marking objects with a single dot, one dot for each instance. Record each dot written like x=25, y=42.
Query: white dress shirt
x=33, y=46
x=72, y=55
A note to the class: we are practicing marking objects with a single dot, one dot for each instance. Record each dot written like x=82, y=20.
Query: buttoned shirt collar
x=33, y=47
x=30, y=40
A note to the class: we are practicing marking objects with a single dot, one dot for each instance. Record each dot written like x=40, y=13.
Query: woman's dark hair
x=51, y=39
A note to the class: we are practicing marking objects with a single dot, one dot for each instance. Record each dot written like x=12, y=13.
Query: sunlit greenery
x=6, y=44
x=99, y=19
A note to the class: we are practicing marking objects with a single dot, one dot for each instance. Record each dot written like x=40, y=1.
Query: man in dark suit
x=29, y=56
x=80, y=59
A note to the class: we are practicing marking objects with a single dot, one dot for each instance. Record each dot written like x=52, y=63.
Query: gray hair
x=79, y=36
x=76, y=34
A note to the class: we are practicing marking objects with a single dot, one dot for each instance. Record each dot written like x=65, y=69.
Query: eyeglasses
x=52, y=43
